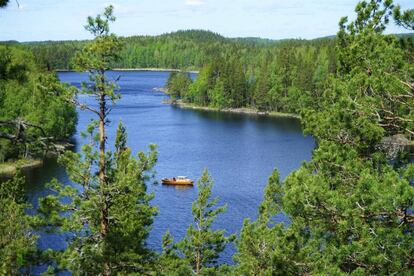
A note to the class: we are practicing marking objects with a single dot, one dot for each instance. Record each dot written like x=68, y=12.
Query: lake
x=240, y=152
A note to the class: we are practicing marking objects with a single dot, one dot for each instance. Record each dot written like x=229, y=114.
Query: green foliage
x=178, y=84
x=283, y=76
x=350, y=207
x=260, y=97
x=169, y=261
x=120, y=139
x=198, y=90
x=33, y=96
x=107, y=213
x=130, y=213
x=404, y=19
x=3, y=3
x=17, y=241
x=220, y=84
x=266, y=247
x=286, y=78
x=216, y=95
x=202, y=245
x=189, y=49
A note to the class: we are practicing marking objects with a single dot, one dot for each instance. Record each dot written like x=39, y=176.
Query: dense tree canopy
x=32, y=105
x=267, y=75
x=286, y=78
x=349, y=210
x=189, y=49
x=177, y=84
x=3, y=3
x=350, y=207
x=17, y=239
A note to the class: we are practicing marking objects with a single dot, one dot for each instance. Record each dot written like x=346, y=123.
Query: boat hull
x=177, y=183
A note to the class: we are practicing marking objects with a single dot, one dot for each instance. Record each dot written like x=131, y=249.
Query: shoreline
x=9, y=169
x=243, y=110
x=140, y=70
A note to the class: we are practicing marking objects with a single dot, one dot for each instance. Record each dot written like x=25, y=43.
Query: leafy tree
x=107, y=214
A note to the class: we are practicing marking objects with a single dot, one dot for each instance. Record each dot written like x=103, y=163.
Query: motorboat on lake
x=179, y=180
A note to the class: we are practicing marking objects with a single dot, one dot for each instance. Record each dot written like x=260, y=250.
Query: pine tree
x=266, y=247
x=17, y=240
x=34, y=114
x=169, y=261
x=349, y=208
x=108, y=215
x=3, y=3
x=178, y=84
x=405, y=18
x=201, y=247
x=261, y=89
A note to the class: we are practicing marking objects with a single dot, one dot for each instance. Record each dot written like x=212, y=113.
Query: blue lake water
x=240, y=152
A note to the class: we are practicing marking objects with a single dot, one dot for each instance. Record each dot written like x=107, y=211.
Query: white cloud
x=194, y=2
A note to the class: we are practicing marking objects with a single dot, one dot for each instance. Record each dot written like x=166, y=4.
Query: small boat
x=179, y=180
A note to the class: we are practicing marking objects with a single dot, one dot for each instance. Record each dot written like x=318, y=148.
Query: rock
x=393, y=145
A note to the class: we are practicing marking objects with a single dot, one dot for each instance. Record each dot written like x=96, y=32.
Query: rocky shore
x=243, y=110
x=9, y=169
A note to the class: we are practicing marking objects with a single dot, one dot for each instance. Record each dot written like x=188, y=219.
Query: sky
x=36, y=20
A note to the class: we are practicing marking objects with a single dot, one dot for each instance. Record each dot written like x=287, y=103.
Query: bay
x=240, y=152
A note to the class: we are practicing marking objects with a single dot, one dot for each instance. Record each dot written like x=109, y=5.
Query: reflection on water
x=240, y=152
x=283, y=123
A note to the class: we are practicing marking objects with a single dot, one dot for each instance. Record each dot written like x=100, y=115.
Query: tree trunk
x=102, y=171
x=198, y=260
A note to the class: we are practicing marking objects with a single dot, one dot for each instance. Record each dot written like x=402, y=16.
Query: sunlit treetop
x=99, y=25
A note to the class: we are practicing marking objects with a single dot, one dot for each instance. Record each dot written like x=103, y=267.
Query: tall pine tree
x=199, y=251
x=107, y=214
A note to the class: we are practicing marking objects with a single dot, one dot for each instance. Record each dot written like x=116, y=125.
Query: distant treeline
x=349, y=208
x=283, y=76
x=179, y=50
x=269, y=75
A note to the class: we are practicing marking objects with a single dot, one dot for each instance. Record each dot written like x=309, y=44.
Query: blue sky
x=276, y=19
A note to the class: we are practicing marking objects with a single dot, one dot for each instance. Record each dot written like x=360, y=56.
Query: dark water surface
x=240, y=152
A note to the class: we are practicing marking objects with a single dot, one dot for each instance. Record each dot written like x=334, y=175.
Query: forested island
x=349, y=209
